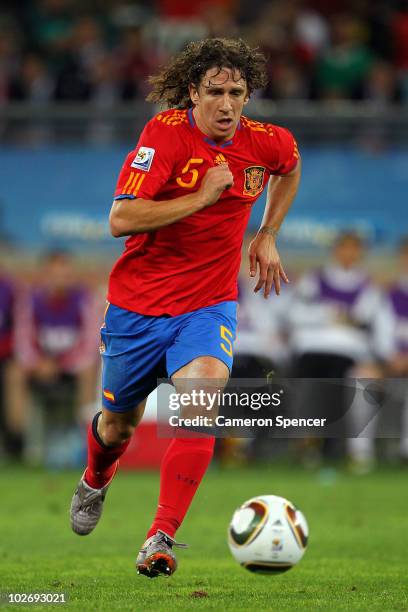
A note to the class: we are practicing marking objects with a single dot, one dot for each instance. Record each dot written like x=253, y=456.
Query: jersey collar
x=206, y=139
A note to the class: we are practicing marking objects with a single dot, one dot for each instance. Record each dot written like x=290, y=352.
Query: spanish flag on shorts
x=108, y=395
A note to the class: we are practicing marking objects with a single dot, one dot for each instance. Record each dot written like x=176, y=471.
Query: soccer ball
x=268, y=534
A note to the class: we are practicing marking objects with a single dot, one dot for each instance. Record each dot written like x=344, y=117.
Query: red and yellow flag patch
x=108, y=395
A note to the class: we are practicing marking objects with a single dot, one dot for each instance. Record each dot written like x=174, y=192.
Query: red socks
x=101, y=458
x=183, y=467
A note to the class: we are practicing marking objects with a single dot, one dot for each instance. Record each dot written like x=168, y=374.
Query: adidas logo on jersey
x=220, y=159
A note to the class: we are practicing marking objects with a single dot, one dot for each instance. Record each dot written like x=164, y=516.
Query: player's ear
x=193, y=90
x=246, y=99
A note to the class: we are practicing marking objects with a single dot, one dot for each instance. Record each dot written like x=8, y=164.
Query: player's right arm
x=145, y=171
x=129, y=217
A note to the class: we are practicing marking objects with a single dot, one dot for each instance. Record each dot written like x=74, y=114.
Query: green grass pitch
x=356, y=560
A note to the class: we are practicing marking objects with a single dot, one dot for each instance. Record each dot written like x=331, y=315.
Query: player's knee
x=116, y=433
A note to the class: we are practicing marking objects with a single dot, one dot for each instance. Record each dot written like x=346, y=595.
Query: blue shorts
x=137, y=349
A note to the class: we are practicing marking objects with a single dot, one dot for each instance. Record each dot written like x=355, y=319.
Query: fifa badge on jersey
x=143, y=159
x=253, y=181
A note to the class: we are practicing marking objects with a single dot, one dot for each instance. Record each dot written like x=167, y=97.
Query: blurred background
x=72, y=87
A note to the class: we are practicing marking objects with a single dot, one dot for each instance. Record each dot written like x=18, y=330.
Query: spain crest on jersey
x=253, y=181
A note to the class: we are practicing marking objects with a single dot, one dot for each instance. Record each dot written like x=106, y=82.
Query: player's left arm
x=263, y=252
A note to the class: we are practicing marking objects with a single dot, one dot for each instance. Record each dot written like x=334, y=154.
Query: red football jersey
x=194, y=262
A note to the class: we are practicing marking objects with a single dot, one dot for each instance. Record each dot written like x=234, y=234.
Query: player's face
x=218, y=102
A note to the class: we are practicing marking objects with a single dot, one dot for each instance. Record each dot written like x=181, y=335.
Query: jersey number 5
x=227, y=336
x=192, y=171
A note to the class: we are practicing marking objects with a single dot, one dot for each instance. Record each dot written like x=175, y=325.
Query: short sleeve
x=284, y=153
x=149, y=166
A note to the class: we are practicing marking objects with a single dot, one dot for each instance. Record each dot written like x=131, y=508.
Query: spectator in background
x=88, y=42
x=50, y=28
x=34, y=83
x=56, y=328
x=51, y=24
x=85, y=50
x=185, y=9
x=220, y=20
x=398, y=364
x=134, y=59
x=399, y=36
x=122, y=14
x=302, y=32
x=398, y=295
x=183, y=21
x=104, y=92
x=311, y=31
x=288, y=82
x=10, y=420
x=71, y=83
x=10, y=52
x=381, y=90
x=345, y=65
x=396, y=368
x=381, y=87
x=315, y=49
x=341, y=325
x=288, y=57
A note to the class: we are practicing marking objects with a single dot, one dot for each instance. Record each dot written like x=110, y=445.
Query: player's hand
x=263, y=254
x=215, y=181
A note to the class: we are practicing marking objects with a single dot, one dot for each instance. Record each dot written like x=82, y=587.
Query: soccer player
x=184, y=196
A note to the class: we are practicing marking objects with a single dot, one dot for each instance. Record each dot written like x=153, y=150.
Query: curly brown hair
x=171, y=84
